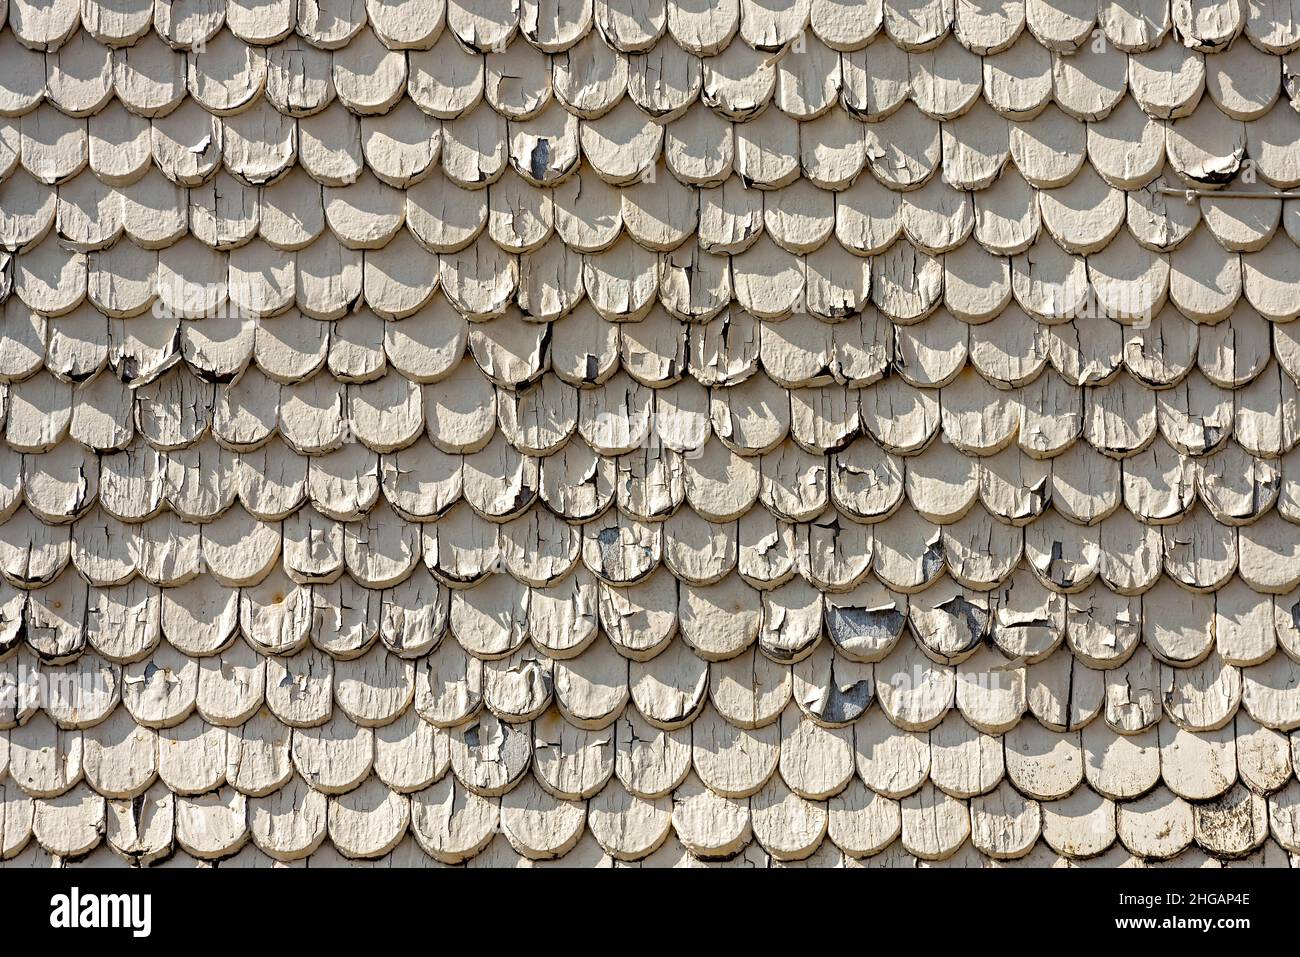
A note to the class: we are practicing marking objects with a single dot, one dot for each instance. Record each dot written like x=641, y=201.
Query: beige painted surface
x=799, y=430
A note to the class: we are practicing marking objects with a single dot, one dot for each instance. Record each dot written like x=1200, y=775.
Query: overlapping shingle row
x=655, y=433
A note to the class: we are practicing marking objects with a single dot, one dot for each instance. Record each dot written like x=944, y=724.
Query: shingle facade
x=760, y=431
